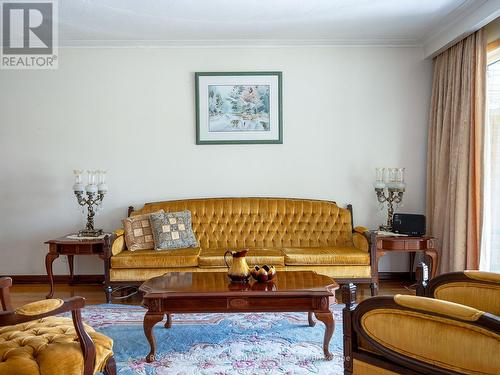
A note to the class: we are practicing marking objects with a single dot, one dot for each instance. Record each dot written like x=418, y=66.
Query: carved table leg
x=71, y=260
x=327, y=319
x=49, y=259
x=432, y=253
x=374, y=281
x=312, y=323
x=168, y=323
x=150, y=319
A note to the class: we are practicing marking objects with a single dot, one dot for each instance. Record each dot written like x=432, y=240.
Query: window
x=490, y=249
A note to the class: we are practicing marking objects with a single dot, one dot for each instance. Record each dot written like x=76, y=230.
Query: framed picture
x=238, y=107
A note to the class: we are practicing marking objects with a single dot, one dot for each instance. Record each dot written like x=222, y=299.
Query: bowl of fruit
x=263, y=273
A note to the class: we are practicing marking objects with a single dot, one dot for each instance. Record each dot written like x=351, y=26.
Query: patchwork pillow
x=138, y=232
x=172, y=230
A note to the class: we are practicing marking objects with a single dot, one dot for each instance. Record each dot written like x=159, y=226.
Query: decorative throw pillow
x=172, y=230
x=138, y=233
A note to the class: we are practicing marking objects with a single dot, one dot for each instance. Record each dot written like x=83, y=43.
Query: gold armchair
x=35, y=341
x=477, y=289
x=422, y=335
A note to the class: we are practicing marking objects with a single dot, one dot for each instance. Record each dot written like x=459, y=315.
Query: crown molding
x=470, y=18
x=242, y=43
x=465, y=9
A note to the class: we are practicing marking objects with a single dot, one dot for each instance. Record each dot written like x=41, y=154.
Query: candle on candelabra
x=102, y=187
x=379, y=178
x=91, y=187
x=78, y=185
x=400, y=178
x=392, y=178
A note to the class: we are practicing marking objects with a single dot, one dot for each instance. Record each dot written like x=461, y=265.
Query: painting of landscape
x=238, y=108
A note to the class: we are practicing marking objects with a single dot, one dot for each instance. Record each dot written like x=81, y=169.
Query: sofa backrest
x=263, y=222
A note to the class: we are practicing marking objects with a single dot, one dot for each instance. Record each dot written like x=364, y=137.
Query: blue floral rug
x=219, y=344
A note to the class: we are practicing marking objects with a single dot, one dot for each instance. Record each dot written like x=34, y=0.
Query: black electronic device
x=410, y=224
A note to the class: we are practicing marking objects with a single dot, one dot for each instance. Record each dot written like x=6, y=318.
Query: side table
x=71, y=247
x=425, y=244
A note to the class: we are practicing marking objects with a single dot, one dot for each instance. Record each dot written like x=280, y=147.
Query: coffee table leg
x=327, y=319
x=312, y=323
x=168, y=323
x=150, y=319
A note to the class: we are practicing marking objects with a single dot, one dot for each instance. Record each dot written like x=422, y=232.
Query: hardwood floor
x=25, y=293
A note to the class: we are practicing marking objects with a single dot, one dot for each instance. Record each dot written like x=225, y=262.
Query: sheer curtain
x=455, y=153
x=490, y=248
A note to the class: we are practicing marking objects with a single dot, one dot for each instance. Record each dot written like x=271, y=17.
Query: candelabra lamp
x=389, y=189
x=90, y=197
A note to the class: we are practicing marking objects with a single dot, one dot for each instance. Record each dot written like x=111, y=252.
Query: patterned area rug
x=219, y=344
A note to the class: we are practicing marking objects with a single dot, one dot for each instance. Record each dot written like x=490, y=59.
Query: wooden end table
x=425, y=244
x=71, y=247
x=212, y=292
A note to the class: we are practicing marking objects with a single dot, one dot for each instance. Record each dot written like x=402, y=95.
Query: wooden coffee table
x=212, y=292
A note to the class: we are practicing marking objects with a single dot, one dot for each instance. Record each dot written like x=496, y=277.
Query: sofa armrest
x=361, y=230
x=40, y=309
x=451, y=337
x=119, y=242
x=361, y=238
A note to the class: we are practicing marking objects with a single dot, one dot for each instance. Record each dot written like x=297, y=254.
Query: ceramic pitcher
x=238, y=270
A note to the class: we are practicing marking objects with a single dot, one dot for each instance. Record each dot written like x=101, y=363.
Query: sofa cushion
x=156, y=259
x=138, y=233
x=172, y=230
x=215, y=257
x=325, y=256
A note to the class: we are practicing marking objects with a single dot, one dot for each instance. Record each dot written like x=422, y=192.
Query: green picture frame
x=239, y=108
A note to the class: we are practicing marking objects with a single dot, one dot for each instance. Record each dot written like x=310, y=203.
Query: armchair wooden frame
x=358, y=345
x=10, y=317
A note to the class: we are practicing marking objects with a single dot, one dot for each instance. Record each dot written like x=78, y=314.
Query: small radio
x=410, y=224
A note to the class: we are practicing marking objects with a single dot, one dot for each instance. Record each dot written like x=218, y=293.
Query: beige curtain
x=454, y=152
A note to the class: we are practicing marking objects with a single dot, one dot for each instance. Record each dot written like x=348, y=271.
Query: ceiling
x=214, y=22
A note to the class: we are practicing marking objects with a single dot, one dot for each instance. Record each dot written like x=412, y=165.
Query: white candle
x=400, y=185
x=103, y=188
x=91, y=188
x=78, y=187
x=392, y=185
x=401, y=175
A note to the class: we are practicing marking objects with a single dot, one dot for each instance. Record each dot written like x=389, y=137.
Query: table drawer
x=405, y=244
x=75, y=249
x=269, y=304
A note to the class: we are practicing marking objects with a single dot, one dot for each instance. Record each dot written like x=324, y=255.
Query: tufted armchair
x=35, y=341
x=454, y=330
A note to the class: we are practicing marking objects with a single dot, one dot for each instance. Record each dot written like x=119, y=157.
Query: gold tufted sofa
x=426, y=335
x=291, y=234
x=34, y=341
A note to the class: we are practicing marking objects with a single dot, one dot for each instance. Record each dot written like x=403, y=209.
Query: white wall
x=131, y=111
